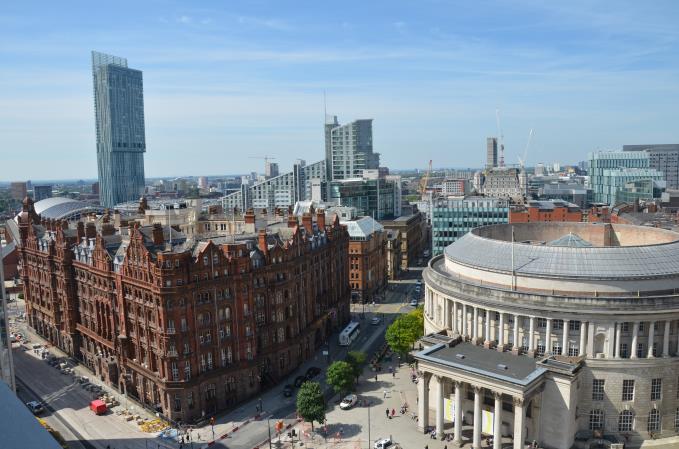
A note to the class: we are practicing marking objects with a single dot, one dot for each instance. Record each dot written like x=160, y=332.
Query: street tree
x=340, y=375
x=356, y=359
x=402, y=334
x=311, y=403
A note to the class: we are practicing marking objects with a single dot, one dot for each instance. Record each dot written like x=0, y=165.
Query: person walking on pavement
x=387, y=413
x=393, y=412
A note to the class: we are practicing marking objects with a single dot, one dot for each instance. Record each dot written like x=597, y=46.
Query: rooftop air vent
x=502, y=366
x=460, y=356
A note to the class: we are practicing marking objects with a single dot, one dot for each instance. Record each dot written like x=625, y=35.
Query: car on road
x=35, y=407
x=287, y=390
x=375, y=320
x=312, y=372
x=348, y=402
x=413, y=302
x=299, y=380
x=383, y=443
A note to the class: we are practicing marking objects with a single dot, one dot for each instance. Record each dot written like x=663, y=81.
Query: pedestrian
x=393, y=412
x=387, y=413
x=375, y=377
x=393, y=374
x=426, y=446
x=384, y=396
x=445, y=446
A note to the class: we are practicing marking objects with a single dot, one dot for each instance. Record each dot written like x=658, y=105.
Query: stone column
x=439, y=405
x=582, y=350
x=651, y=334
x=531, y=334
x=618, y=334
x=423, y=403
x=635, y=340
x=476, y=441
x=666, y=340
x=446, y=313
x=590, y=339
x=475, y=325
x=548, y=337
x=497, y=421
x=564, y=341
x=455, y=328
x=516, y=333
x=519, y=417
x=487, y=341
x=501, y=333
x=458, y=413
x=465, y=330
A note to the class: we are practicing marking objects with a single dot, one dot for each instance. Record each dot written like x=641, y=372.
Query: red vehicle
x=98, y=407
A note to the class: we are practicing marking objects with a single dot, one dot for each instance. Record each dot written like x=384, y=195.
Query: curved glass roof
x=64, y=208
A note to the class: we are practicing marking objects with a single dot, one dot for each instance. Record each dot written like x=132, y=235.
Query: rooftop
x=58, y=208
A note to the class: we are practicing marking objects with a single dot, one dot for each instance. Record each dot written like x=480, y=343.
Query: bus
x=349, y=334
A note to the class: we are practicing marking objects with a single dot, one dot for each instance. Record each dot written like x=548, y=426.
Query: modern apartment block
x=280, y=191
x=452, y=218
x=664, y=158
x=187, y=327
x=349, y=149
x=373, y=196
x=18, y=190
x=610, y=170
x=41, y=192
x=119, y=120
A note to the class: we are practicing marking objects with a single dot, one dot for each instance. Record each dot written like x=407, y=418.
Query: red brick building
x=552, y=210
x=186, y=327
x=367, y=258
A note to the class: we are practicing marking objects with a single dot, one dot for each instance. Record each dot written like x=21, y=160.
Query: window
x=624, y=327
x=676, y=420
x=573, y=350
x=557, y=325
x=656, y=389
x=598, y=390
x=625, y=420
x=177, y=403
x=641, y=327
x=628, y=390
x=189, y=399
x=653, y=421
x=542, y=323
x=175, y=372
x=556, y=347
x=596, y=419
x=640, y=350
x=540, y=349
x=574, y=325
x=624, y=351
x=187, y=370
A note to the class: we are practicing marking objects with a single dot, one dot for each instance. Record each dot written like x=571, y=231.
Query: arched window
x=625, y=420
x=653, y=421
x=596, y=419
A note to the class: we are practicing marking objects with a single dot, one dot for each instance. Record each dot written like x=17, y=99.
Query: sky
x=226, y=82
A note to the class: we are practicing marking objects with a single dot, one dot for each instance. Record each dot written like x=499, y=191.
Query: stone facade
x=186, y=327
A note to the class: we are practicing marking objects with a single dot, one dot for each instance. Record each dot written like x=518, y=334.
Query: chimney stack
x=320, y=220
x=307, y=222
x=108, y=229
x=90, y=230
x=81, y=230
x=158, y=238
x=249, y=217
x=263, y=245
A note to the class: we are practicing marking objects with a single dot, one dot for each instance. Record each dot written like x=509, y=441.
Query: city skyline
x=225, y=84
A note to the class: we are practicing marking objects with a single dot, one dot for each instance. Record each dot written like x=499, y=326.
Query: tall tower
x=330, y=123
x=119, y=120
x=349, y=149
x=491, y=152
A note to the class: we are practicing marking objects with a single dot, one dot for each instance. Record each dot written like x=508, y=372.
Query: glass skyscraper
x=121, y=140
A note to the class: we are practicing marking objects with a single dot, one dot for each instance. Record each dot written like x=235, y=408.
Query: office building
x=664, y=158
x=453, y=187
x=367, y=258
x=640, y=190
x=454, y=217
x=18, y=190
x=412, y=231
x=41, y=192
x=560, y=333
x=603, y=165
x=349, y=149
x=187, y=327
x=505, y=182
x=202, y=182
x=119, y=120
x=373, y=196
x=545, y=210
x=491, y=153
x=270, y=169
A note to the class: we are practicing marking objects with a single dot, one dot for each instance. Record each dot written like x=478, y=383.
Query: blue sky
x=227, y=80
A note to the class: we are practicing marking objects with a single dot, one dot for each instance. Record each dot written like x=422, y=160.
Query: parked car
x=383, y=443
x=299, y=380
x=375, y=320
x=312, y=372
x=348, y=402
x=413, y=302
x=35, y=407
x=287, y=390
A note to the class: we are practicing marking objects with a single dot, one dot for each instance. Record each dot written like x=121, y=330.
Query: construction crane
x=266, y=158
x=425, y=181
x=501, y=138
x=522, y=160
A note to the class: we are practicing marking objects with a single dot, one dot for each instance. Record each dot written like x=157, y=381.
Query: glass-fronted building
x=640, y=189
x=371, y=197
x=610, y=170
x=121, y=138
x=454, y=217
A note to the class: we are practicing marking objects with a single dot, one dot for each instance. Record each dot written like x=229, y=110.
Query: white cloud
x=274, y=24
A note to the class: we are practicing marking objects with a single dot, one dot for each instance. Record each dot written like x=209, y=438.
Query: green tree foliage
x=340, y=376
x=356, y=359
x=402, y=334
x=311, y=403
